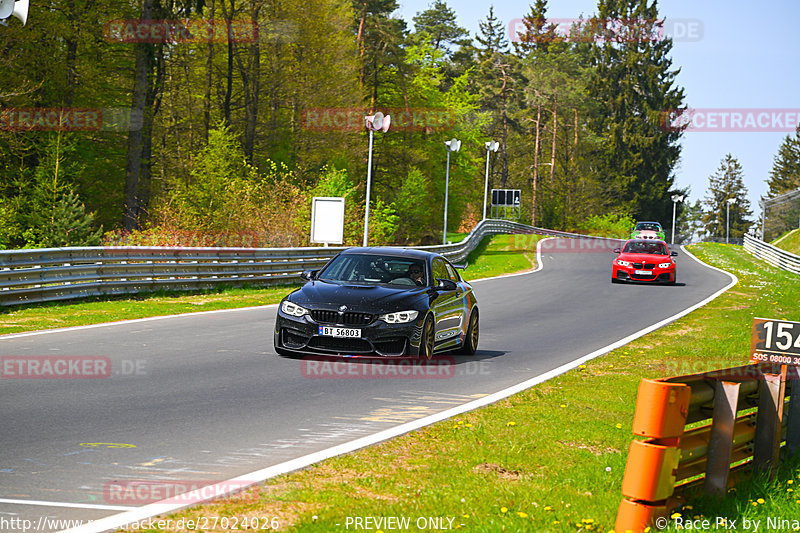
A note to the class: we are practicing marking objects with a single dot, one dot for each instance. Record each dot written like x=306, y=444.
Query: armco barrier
x=752, y=409
x=47, y=274
x=772, y=254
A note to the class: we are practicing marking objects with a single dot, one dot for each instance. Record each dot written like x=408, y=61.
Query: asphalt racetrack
x=196, y=399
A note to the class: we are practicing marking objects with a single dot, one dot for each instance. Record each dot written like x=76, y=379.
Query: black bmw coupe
x=379, y=302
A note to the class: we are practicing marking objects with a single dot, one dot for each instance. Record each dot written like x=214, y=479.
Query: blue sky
x=744, y=57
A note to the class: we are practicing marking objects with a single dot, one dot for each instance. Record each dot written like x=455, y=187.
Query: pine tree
x=784, y=177
x=53, y=214
x=538, y=33
x=785, y=173
x=727, y=184
x=438, y=22
x=495, y=82
x=635, y=85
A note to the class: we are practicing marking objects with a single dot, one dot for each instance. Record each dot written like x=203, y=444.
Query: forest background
x=191, y=122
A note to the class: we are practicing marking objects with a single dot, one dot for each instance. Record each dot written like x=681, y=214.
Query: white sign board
x=327, y=220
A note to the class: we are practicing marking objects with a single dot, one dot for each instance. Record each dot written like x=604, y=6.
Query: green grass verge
x=496, y=255
x=790, y=242
x=550, y=459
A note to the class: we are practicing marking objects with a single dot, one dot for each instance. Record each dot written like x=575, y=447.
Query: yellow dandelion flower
x=511, y=424
x=619, y=426
x=790, y=481
x=522, y=515
x=460, y=421
x=675, y=515
x=548, y=508
x=760, y=500
x=504, y=509
x=563, y=405
x=467, y=425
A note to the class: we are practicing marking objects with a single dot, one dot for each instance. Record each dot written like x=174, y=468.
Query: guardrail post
x=793, y=430
x=661, y=411
x=720, y=442
x=768, y=421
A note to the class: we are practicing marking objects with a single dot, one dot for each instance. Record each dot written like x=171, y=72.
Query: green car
x=648, y=227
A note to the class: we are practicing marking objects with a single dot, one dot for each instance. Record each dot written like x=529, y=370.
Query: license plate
x=643, y=272
x=328, y=331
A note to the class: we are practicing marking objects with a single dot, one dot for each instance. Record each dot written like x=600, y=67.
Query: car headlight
x=293, y=309
x=400, y=317
x=664, y=265
x=623, y=263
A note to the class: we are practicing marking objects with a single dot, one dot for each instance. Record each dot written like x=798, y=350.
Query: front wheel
x=470, y=345
x=427, y=340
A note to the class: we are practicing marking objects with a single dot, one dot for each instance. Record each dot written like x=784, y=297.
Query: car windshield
x=637, y=247
x=366, y=268
x=651, y=226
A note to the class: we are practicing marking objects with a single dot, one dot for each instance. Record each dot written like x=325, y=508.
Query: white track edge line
x=43, y=503
x=143, y=513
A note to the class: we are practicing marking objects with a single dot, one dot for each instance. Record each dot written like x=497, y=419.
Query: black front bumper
x=299, y=336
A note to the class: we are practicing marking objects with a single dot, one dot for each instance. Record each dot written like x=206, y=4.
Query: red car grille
x=648, y=266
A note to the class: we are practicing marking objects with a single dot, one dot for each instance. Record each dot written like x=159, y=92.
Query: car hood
x=358, y=297
x=641, y=258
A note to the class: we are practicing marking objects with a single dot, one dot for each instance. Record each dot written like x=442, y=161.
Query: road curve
x=203, y=397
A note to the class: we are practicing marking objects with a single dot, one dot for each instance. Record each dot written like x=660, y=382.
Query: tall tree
x=784, y=177
x=634, y=85
x=785, y=173
x=439, y=23
x=726, y=195
x=495, y=81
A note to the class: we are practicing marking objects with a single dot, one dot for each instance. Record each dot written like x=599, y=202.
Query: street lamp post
x=491, y=146
x=729, y=201
x=376, y=122
x=675, y=199
x=452, y=146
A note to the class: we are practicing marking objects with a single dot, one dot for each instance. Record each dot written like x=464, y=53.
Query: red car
x=646, y=261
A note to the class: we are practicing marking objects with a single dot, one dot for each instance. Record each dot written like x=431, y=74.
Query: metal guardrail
x=680, y=455
x=49, y=274
x=772, y=254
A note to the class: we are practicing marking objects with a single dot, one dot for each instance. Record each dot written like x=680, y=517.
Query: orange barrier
x=673, y=459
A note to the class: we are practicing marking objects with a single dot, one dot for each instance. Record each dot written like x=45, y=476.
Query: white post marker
x=452, y=146
x=376, y=122
x=675, y=199
x=729, y=201
x=491, y=146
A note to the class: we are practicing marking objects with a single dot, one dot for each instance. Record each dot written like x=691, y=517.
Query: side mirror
x=674, y=254
x=308, y=275
x=616, y=250
x=446, y=285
